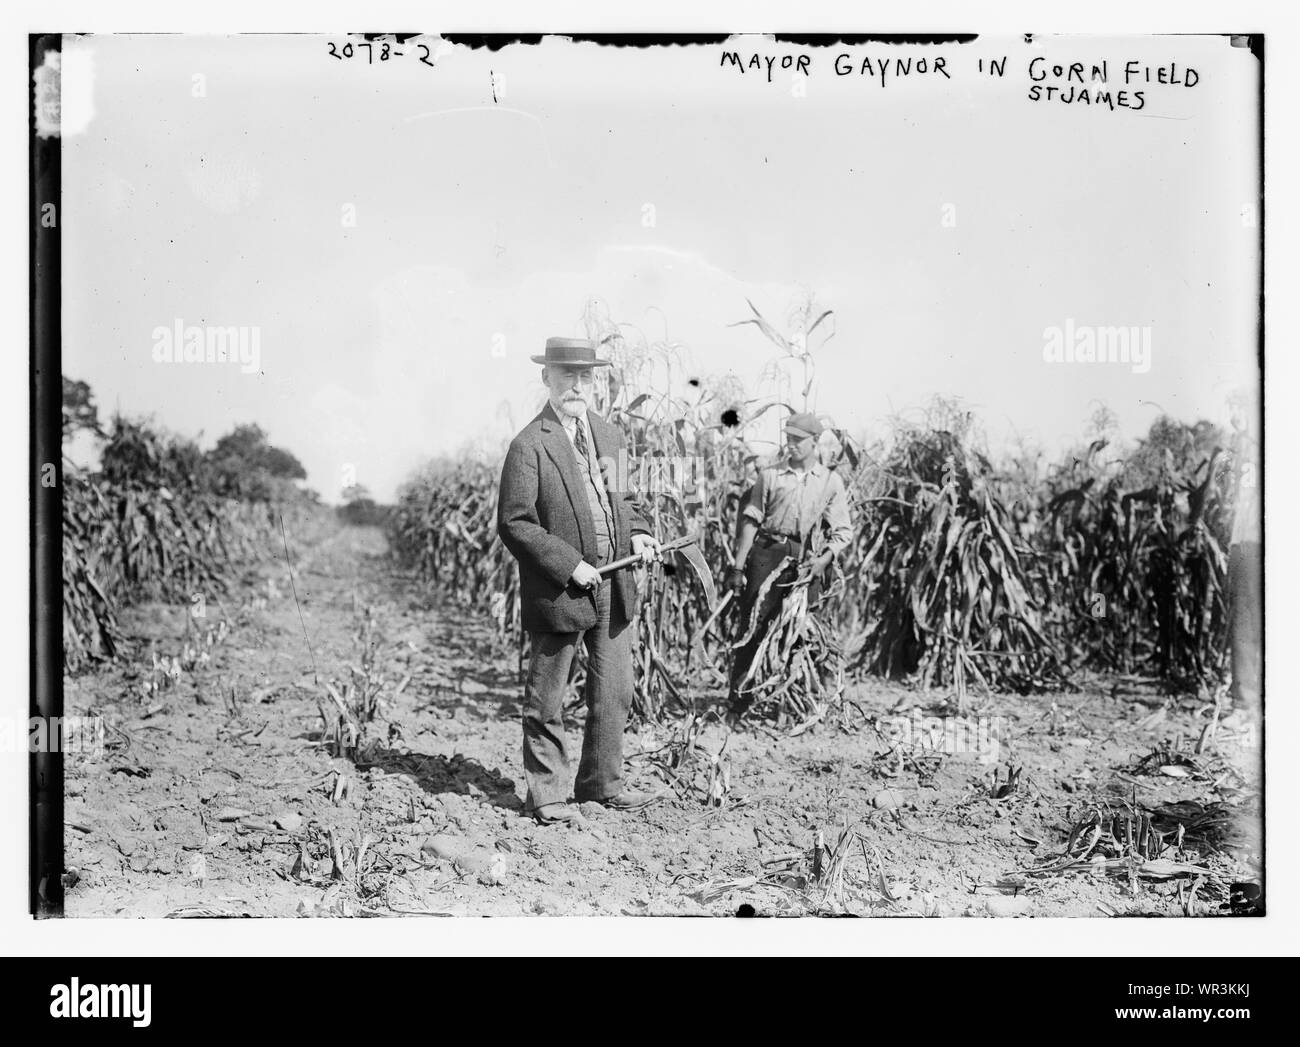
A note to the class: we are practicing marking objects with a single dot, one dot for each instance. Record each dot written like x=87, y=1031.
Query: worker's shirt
x=786, y=501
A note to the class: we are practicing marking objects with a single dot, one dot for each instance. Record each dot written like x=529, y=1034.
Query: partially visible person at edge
x=562, y=517
x=1245, y=556
x=797, y=508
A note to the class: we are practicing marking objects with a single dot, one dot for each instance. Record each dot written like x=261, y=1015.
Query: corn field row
x=146, y=527
x=963, y=574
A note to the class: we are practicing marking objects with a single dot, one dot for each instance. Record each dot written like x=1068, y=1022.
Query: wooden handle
x=610, y=568
x=713, y=617
x=676, y=543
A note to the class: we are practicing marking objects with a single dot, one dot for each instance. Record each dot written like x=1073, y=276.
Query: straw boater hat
x=570, y=352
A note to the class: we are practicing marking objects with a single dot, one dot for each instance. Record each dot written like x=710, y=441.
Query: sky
x=404, y=236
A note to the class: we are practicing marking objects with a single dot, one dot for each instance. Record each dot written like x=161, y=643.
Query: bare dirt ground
x=214, y=794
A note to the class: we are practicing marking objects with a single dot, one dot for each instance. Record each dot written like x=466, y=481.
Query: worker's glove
x=736, y=580
x=820, y=564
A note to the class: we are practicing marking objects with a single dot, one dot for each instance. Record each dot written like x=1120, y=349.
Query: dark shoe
x=631, y=800
x=556, y=814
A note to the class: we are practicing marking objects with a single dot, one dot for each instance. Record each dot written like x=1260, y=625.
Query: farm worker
x=562, y=514
x=1245, y=559
x=796, y=508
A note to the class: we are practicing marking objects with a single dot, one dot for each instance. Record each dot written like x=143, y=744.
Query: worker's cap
x=804, y=424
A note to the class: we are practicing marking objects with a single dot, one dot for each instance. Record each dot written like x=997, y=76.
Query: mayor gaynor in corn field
x=562, y=517
x=796, y=514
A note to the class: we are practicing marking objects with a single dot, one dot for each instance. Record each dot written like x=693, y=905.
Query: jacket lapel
x=561, y=452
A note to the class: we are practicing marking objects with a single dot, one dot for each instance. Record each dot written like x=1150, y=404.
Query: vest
x=597, y=498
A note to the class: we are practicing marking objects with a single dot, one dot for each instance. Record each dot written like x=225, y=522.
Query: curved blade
x=691, y=554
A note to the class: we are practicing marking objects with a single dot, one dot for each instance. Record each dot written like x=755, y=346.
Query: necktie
x=580, y=441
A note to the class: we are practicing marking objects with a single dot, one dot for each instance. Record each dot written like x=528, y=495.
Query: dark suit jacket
x=544, y=519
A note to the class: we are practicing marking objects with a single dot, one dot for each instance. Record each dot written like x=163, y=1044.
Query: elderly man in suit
x=562, y=514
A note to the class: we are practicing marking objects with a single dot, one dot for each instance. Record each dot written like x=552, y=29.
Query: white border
x=1274, y=935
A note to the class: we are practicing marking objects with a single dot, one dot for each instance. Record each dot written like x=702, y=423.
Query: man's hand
x=821, y=563
x=585, y=576
x=647, y=547
x=736, y=580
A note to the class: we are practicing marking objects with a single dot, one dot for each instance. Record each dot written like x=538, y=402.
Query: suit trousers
x=608, y=695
